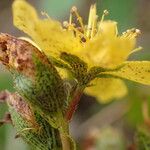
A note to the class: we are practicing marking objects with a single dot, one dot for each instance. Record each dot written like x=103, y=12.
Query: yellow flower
x=98, y=44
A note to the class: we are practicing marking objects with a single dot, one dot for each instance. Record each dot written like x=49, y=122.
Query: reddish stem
x=73, y=105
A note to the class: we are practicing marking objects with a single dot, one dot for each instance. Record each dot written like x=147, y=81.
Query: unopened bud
x=31, y=126
x=35, y=77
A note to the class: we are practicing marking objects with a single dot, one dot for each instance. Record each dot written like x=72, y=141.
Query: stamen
x=105, y=13
x=65, y=24
x=136, y=49
x=138, y=32
x=93, y=32
x=132, y=33
x=73, y=9
x=79, y=18
x=135, y=32
x=76, y=30
x=69, y=26
x=70, y=19
x=45, y=14
x=92, y=21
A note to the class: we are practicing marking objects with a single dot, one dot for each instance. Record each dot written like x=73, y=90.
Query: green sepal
x=78, y=66
x=79, y=69
x=59, y=63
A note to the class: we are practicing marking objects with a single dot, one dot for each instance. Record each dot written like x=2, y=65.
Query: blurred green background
x=128, y=14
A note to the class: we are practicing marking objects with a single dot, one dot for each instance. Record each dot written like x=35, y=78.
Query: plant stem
x=66, y=143
x=73, y=105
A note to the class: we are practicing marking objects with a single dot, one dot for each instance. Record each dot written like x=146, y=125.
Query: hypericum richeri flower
x=64, y=60
x=96, y=44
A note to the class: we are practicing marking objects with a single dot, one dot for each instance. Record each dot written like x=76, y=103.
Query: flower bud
x=35, y=78
x=31, y=126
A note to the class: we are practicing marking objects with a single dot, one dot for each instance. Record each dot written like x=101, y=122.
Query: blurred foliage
x=5, y=83
x=106, y=140
x=143, y=138
x=136, y=97
x=7, y=133
x=135, y=103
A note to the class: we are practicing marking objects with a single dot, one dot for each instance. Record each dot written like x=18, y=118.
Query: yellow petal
x=118, y=51
x=47, y=33
x=105, y=89
x=107, y=51
x=24, y=15
x=138, y=71
x=108, y=28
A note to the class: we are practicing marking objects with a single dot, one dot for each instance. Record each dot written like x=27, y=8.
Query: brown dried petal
x=18, y=54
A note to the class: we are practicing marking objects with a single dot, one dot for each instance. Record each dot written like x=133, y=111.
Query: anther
x=66, y=24
x=45, y=14
x=105, y=12
x=138, y=31
x=73, y=9
x=80, y=29
x=79, y=18
x=132, y=32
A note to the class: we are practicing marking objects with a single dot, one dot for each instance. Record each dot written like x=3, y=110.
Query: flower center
x=81, y=31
